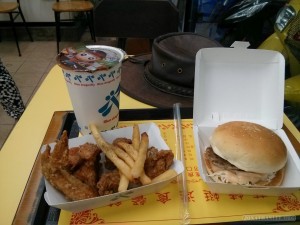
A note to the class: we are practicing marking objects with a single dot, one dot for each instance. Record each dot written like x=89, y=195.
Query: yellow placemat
x=163, y=206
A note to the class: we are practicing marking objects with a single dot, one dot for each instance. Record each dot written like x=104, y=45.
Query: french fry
x=132, y=149
x=138, y=166
x=128, y=148
x=123, y=155
x=134, y=154
x=164, y=176
x=106, y=148
x=124, y=182
x=144, y=178
x=136, y=137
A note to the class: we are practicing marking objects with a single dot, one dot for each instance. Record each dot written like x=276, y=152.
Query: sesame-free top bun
x=249, y=146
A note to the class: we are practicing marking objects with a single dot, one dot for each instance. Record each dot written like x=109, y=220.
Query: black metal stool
x=73, y=6
x=13, y=9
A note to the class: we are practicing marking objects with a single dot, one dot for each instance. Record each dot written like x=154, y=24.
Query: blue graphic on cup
x=68, y=76
x=102, y=77
x=112, y=74
x=111, y=100
x=78, y=78
x=90, y=78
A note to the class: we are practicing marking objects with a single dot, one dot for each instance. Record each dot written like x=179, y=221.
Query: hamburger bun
x=246, y=153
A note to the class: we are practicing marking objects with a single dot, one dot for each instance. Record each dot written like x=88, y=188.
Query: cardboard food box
x=247, y=85
x=56, y=199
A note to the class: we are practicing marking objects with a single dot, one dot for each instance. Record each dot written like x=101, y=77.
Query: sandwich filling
x=220, y=170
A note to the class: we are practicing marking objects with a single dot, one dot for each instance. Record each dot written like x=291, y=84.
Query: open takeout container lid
x=56, y=199
x=238, y=84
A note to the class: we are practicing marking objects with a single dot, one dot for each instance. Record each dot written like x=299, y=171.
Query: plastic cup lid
x=89, y=58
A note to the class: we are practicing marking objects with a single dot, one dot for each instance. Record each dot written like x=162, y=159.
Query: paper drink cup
x=93, y=74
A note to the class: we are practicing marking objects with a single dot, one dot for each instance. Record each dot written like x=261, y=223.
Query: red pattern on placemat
x=210, y=196
x=191, y=197
x=85, y=217
x=163, y=197
x=235, y=196
x=166, y=126
x=115, y=204
x=287, y=203
x=187, y=126
x=172, y=126
x=139, y=200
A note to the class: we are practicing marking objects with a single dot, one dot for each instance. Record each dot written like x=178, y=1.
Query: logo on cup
x=111, y=100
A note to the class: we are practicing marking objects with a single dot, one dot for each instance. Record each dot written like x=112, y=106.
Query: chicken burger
x=246, y=153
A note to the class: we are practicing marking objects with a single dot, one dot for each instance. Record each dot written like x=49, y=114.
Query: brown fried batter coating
x=79, y=155
x=157, y=162
x=70, y=186
x=88, y=151
x=87, y=172
x=109, y=182
x=59, y=156
x=108, y=164
x=74, y=159
x=55, y=170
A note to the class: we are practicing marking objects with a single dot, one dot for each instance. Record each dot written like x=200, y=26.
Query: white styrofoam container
x=247, y=85
x=56, y=199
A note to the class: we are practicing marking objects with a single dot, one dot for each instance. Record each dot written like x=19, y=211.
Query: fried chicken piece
x=59, y=156
x=88, y=171
x=72, y=188
x=77, y=155
x=109, y=182
x=157, y=162
x=74, y=158
x=88, y=151
x=109, y=165
x=47, y=169
x=55, y=170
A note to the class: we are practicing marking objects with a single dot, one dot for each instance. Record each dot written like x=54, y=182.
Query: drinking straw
x=181, y=180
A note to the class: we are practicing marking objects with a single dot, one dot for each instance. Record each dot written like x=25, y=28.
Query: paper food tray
x=56, y=199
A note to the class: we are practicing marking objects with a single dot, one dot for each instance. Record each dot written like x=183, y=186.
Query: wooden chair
x=13, y=9
x=84, y=6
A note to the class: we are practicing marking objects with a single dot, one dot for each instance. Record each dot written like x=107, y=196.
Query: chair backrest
x=135, y=18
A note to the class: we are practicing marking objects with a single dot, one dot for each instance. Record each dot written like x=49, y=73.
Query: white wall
x=35, y=10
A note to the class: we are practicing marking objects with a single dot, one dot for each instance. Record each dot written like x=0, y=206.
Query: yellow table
x=20, y=151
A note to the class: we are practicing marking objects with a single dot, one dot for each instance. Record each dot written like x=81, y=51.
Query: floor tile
x=12, y=66
x=34, y=67
x=4, y=132
x=28, y=79
x=5, y=119
x=27, y=92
